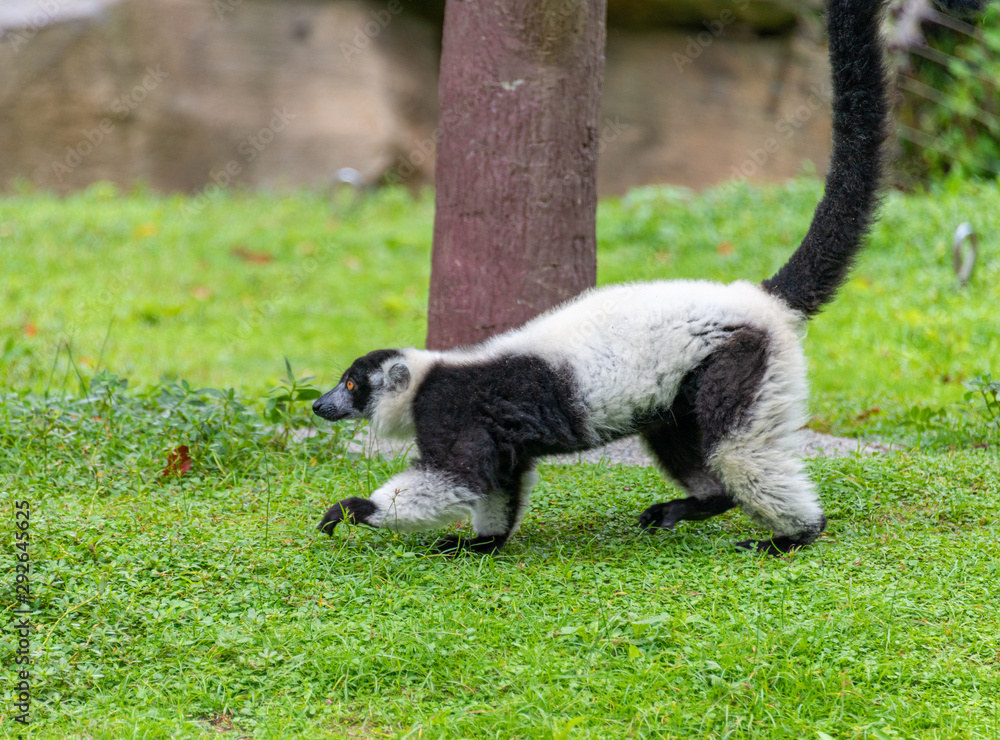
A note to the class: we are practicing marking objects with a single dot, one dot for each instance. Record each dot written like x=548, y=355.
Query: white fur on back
x=629, y=346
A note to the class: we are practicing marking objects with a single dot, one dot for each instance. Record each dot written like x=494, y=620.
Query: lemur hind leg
x=676, y=441
x=749, y=405
x=496, y=516
x=772, y=489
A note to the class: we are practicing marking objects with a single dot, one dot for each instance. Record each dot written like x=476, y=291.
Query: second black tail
x=860, y=125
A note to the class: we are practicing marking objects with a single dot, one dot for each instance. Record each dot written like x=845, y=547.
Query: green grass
x=169, y=607
x=154, y=288
x=207, y=604
x=146, y=286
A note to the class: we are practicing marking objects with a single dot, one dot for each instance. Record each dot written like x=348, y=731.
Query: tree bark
x=516, y=200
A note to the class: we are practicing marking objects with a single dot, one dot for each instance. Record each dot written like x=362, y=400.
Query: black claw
x=351, y=510
x=662, y=516
x=334, y=516
x=449, y=545
x=776, y=546
x=666, y=515
x=454, y=544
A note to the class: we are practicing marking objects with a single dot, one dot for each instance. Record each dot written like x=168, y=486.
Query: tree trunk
x=514, y=227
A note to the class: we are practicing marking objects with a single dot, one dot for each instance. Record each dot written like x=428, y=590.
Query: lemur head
x=368, y=383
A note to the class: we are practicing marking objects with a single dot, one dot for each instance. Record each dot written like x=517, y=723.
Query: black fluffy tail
x=820, y=265
x=860, y=124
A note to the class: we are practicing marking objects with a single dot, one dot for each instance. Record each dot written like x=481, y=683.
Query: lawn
x=219, y=291
x=188, y=595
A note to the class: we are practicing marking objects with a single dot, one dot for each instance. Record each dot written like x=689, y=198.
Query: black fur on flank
x=822, y=262
x=713, y=401
x=513, y=411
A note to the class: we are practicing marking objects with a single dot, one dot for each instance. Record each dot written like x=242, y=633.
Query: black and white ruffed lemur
x=712, y=376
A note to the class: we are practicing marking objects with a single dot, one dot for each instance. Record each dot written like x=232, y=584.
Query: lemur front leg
x=425, y=497
x=496, y=516
x=419, y=498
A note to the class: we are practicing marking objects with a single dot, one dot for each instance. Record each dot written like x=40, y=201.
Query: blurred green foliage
x=950, y=120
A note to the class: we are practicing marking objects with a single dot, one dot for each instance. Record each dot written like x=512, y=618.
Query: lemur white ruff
x=711, y=375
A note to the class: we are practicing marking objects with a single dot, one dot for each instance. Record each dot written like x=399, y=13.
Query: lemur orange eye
x=350, y=385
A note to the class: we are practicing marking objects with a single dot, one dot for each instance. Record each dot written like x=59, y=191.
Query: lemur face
x=357, y=394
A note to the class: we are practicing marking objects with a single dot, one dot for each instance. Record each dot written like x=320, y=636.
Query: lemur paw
x=663, y=516
x=352, y=510
x=454, y=544
x=776, y=546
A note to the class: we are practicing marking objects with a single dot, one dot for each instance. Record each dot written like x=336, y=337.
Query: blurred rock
x=696, y=109
x=186, y=94
x=766, y=16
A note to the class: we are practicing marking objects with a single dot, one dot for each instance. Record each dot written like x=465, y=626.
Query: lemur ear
x=398, y=378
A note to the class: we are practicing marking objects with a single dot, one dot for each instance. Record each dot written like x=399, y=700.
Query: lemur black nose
x=321, y=406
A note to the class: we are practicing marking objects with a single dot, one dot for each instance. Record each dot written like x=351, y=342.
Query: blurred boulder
x=696, y=109
x=184, y=93
x=765, y=16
